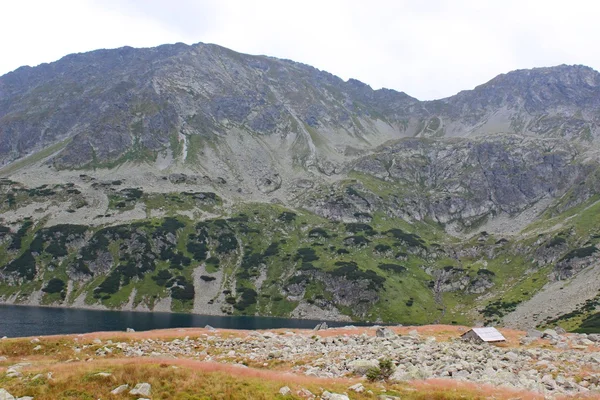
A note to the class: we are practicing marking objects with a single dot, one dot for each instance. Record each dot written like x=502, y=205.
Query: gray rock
x=334, y=396
x=550, y=334
x=142, y=389
x=284, y=391
x=385, y=333
x=321, y=326
x=130, y=330
x=358, y=388
x=4, y=395
x=534, y=333
x=120, y=389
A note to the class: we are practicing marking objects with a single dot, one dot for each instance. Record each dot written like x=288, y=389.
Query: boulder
x=334, y=396
x=360, y=367
x=358, y=388
x=560, y=330
x=142, y=389
x=534, y=333
x=284, y=391
x=385, y=333
x=129, y=330
x=120, y=389
x=550, y=334
x=321, y=326
x=4, y=395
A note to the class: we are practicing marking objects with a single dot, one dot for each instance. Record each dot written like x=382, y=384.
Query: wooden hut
x=483, y=335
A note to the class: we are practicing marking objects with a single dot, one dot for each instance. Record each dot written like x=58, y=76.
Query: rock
x=13, y=372
x=25, y=398
x=103, y=374
x=305, y=394
x=37, y=348
x=360, y=367
x=284, y=391
x=560, y=330
x=550, y=334
x=2, y=358
x=4, y=337
x=35, y=340
x=534, y=333
x=210, y=328
x=4, y=395
x=387, y=397
x=120, y=389
x=321, y=326
x=358, y=388
x=334, y=396
x=129, y=330
x=142, y=389
x=594, y=337
x=385, y=333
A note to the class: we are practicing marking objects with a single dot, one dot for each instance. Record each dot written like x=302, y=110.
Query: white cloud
x=429, y=49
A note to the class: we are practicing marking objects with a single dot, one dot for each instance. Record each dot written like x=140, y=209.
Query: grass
x=34, y=158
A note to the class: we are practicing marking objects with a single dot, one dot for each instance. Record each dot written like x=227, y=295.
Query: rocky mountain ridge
x=198, y=179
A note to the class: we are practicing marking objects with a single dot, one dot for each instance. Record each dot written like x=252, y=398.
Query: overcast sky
x=426, y=48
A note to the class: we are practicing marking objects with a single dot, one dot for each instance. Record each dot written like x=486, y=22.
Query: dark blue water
x=18, y=321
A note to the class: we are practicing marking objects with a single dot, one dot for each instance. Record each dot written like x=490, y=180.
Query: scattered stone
x=360, y=367
x=305, y=394
x=142, y=389
x=284, y=391
x=550, y=334
x=334, y=396
x=4, y=395
x=321, y=326
x=385, y=333
x=534, y=333
x=358, y=388
x=120, y=389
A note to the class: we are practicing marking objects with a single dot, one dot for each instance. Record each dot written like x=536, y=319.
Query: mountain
x=198, y=179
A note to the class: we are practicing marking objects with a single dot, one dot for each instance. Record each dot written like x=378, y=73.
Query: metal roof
x=489, y=334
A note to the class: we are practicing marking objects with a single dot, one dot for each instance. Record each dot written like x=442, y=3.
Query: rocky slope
x=423, y=362
x=197, y=179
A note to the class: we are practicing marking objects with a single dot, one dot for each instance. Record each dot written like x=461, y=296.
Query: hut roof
x=488, y=334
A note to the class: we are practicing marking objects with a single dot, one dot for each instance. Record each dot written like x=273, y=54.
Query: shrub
x=227, y=243
x=162, y=277
x=54, y=285
x=392, y=267
x=356, y=227
x=580, y=253
x=306, y=254
x=287, y=216
x=318, y=233
x=382, y=248
x=207, y=278
x=184, y=293
x=24, y=266
x=382, y=372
